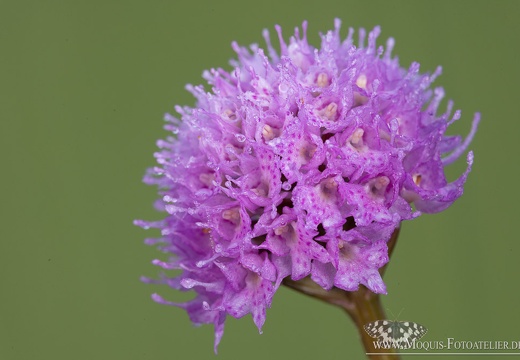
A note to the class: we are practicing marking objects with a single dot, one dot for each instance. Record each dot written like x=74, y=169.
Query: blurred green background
x=84, y=86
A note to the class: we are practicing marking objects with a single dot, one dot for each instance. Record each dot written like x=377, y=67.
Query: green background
x=84, y=85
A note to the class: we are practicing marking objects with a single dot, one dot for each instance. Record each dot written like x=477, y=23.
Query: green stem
x=362, y=305
x=368, y=309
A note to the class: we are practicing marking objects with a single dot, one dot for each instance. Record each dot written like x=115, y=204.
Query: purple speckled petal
x=254, y=298
x=321, y=202
x=359, y=264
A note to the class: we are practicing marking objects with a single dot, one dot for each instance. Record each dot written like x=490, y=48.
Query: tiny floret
x=298, y=163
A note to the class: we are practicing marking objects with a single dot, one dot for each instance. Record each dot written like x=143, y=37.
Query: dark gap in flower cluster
x=326, y=137
x=258, y=240
x=349, y=224
x=321, y=230
x=322, y=167
x=359, y=100
x=233, y=185
x=285, y=202
x=265, y=251
x=254, y=218
x=346, y=179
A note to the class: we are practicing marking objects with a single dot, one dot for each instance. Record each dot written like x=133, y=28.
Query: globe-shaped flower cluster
x=295, y=165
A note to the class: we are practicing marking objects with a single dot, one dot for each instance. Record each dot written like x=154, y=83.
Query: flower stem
x=362, y=305
x=368, y=309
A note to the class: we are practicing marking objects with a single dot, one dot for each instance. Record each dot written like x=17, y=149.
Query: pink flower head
x=298, y=164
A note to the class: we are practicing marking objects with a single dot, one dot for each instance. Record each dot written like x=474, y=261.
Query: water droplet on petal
x=188, y=283
x=286, y=186
x=240, y=137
